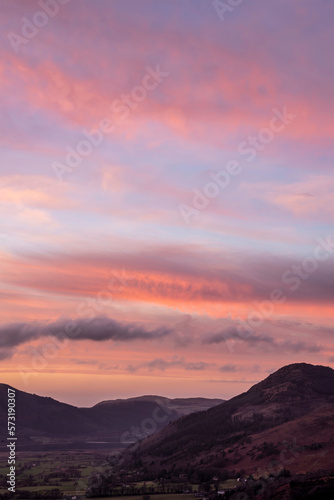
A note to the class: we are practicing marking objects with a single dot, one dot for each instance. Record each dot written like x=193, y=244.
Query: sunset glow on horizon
x=166, y=196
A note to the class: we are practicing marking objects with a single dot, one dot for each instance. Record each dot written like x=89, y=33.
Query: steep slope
x=44, y=416
x=214, y=438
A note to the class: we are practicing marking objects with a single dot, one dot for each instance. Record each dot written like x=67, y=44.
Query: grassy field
x=32, y=471
x=177, y=496
x=35, y=471
x=228, y=484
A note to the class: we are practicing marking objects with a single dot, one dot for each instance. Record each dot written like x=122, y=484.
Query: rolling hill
x=43, y=422
x=286, y=420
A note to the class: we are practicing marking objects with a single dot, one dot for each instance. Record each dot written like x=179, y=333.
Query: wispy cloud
x=99, y=329
x=161, y=364
x=263, y=342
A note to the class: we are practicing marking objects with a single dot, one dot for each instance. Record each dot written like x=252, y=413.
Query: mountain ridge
x=43, y=421
x=296, y=396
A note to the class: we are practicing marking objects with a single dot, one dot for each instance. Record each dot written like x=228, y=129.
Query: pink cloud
x=311, y=198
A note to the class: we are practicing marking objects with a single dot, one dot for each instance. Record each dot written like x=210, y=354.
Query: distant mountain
x=182, y=406
x=43, y=422
x=288, y=417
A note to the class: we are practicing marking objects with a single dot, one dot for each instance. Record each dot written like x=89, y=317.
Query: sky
x=166, y=195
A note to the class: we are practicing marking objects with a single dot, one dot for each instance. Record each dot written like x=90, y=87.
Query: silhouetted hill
x=43, y=420
x=297, y=381
x=294, y=403
x=183, y=406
